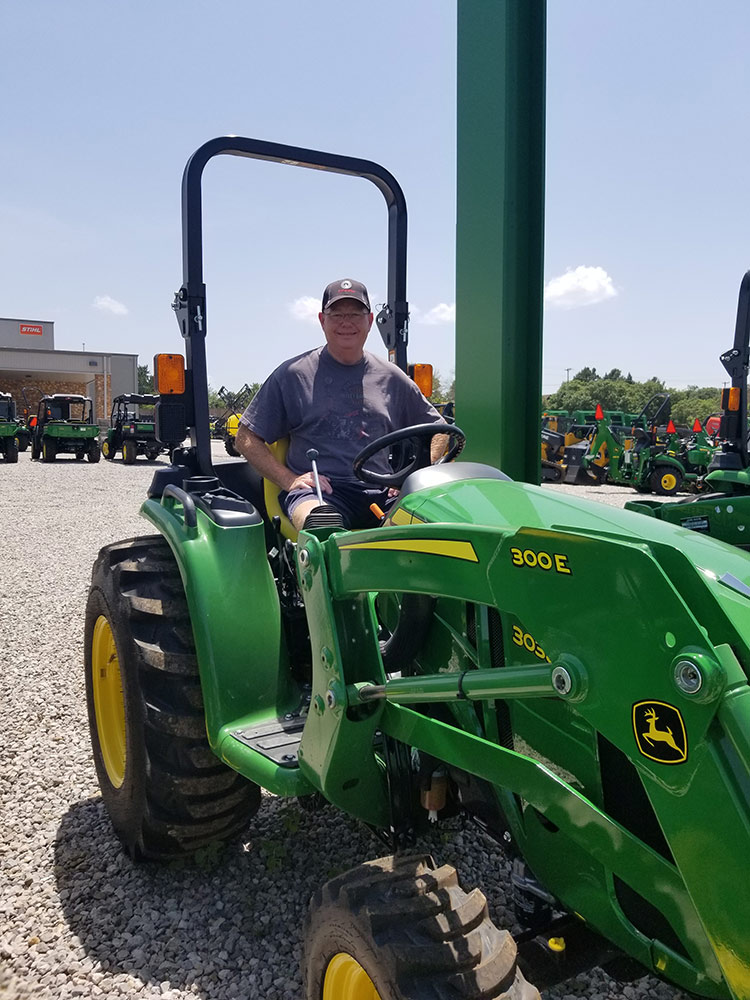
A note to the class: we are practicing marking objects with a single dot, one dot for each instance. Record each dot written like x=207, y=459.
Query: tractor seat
x=271, y=491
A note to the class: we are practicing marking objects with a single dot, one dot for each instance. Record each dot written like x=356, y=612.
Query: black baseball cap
x=345, y=288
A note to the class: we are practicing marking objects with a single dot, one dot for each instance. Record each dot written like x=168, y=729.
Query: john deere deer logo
x=660, y=732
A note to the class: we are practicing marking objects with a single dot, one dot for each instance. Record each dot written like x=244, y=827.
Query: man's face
x=346, y=326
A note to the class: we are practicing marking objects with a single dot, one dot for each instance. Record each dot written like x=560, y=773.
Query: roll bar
x=190, y=301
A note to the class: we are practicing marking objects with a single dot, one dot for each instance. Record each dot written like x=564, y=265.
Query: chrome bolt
x=304, y=557
x=330, y=699
x=688, y=677
x=561, y=680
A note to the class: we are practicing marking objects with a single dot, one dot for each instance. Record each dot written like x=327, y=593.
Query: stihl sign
x=31, y=330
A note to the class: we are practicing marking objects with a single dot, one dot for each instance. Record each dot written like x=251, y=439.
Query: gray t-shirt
x=338, y=409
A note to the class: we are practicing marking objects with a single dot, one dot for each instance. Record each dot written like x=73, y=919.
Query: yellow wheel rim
x=109, y=704
x=105, y=449
x=347, y=980
x=668, y=481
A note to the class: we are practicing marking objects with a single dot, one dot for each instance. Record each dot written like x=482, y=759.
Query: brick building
x=28, y=360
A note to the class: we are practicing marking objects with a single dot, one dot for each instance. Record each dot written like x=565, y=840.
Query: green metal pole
x=500, y=231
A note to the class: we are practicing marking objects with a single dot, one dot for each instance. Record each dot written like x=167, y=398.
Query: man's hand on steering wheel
x=421, y=436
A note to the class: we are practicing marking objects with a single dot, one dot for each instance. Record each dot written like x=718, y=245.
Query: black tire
x=129, y=452
x=80, y=455
x=413, y=931
x=409, y=635
x=11, y=450
x=152, y=454
x=167, y=794
x=230, y=448
x=23, y=443
x=35, y=452
x=94, y=452
x=107, y=450
x=49, y=450
x=665, y=480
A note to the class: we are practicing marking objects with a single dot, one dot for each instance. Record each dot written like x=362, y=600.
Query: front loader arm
x=623, y=646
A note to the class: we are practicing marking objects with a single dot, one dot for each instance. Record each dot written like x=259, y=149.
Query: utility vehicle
x=64, y=424
x=573, y=676
x=131, y=429
x=9, y=427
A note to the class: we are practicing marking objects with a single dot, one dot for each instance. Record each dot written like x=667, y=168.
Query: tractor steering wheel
x=420, y=436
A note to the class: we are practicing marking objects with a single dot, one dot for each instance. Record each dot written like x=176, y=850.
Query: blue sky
x=647, y=233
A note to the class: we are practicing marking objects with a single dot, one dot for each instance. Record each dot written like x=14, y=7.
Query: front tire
x=11, y=450
x=107, y=451
x=129, y=452
x=230, y=448
x=401, y=929
x=166, y=793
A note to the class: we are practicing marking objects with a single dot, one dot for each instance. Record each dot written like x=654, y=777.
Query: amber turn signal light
x=169, y=374
x=422, y=375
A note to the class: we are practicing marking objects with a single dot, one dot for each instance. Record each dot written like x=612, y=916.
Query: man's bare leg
x=300, y=512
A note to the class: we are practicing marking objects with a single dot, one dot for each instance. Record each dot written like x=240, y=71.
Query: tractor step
x=278, y=740
x=266, y=751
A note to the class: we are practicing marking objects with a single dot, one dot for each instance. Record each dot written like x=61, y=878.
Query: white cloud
x=305, y=308
x=579, y=286
x=107, y=304
x=441, y=313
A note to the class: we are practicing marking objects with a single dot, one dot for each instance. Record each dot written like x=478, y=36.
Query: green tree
x=145, y=379
x=586, y=375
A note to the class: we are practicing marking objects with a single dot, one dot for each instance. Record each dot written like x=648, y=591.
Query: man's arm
x=255, y=450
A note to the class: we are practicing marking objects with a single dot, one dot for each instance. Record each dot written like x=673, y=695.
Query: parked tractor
x=9, y=427
x=722, y=510
x=573, y=676
x=227, y=424
x=131, y=429
x=64, y=424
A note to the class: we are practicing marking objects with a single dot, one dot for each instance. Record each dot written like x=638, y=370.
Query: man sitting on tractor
x=331, y=402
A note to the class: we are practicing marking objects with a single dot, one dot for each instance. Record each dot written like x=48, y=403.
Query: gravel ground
x=77, y=918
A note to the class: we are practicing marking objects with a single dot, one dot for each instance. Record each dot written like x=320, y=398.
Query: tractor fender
x=234, y=614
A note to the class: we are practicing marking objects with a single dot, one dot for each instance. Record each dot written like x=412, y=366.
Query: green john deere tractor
x=9, y=427
x=637, y=455
x=575, y=677
x=722, y=510
x=64, y=425
x=131, y=429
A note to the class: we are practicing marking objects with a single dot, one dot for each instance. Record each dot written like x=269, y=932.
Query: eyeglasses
x=353, y=317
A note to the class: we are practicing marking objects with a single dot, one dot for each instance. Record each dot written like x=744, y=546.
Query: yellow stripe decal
x=430, y=546
x=402, y=516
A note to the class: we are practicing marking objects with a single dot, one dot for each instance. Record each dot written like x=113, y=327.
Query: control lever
x=312, y=455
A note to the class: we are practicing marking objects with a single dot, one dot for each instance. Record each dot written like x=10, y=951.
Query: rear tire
x=35, y=452
x=107, y=451
x=665, y=480
x=49, y=451
x=404, y=929
x=94, y=452
x=230, y=448
x=166, y=793
x=11, y=450
x=129, y=452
